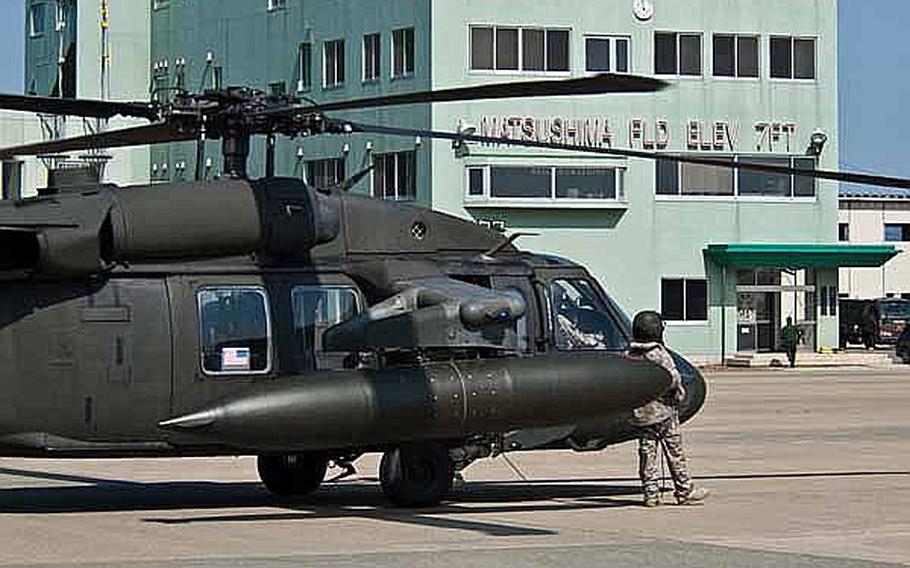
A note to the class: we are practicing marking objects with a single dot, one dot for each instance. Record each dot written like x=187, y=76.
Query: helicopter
x=304, y=325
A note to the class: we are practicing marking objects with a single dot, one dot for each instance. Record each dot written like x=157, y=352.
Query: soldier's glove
x=680, y=394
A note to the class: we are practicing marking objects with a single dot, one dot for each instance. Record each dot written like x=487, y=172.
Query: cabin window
x=581, y=319
x=317, y=308
x=235, y=330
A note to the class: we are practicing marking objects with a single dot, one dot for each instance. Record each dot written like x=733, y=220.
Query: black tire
x=416, y=475
x=292, y=475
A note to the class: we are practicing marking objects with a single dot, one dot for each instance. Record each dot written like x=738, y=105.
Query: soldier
x=790, y=336
x=658, y=420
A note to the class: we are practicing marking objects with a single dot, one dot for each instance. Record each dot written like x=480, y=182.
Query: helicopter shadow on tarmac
x=360, y=499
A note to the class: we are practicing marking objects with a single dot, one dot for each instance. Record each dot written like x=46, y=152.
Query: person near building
x=658, y=421
x=790, y=336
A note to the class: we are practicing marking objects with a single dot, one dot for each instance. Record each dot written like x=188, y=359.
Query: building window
x=677, y=54
x=607, y=54
x=37, y=19
x=897, y=233
x=235, y=335
x=402, y=53
x=277, y=88
x=372, y=57
x=394, y=176
x=843, y=232
x=158, y=4
x=325, y=173
x=683, y=299
x=792, y=58
x=675, y=178
x=544, y=183
x=735, y=56
x=333, y=69
x=217, y=77
x=531, y=50
x=277, y=4
x=304, y=67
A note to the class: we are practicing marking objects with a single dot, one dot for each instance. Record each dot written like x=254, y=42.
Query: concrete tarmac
x=807, y=467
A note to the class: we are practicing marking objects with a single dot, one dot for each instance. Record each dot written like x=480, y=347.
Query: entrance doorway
x=757, y=321
x=765, y=298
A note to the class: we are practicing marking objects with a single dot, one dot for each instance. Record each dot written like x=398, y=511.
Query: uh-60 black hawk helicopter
x=303, y=325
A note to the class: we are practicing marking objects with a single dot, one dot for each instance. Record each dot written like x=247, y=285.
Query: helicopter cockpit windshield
x=581, y=318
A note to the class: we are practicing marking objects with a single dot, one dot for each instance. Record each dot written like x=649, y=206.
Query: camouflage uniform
x=659, y=426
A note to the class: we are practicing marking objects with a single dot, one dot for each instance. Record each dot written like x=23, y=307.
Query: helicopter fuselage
x=97, y=363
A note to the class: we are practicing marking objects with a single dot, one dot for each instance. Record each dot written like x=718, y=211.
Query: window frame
x=486, y=197
x=409, y=56
x=843, y=232
x=793, y=39
x=679, y=195
x=371, y=56
x=339, y=164
x=380, y=173
x=677, y=36
x=612, y=38
x=335, y=45
x=270, y=348
x=520, y=54
x=34, y=32
x=905, y=232
x=304, y=66
x=736, y=73
x=319, y=287
x=608, y=309
x=685, y=300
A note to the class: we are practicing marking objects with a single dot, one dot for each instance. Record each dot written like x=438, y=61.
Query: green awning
x=797, y=257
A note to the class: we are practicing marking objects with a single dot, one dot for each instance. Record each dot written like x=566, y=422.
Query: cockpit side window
x=317, y=308
x=581, y=318
x=235, y=330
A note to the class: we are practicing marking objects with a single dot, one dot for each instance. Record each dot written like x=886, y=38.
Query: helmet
x=647, y=327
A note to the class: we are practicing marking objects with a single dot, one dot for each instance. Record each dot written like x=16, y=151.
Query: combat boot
x=695, y=497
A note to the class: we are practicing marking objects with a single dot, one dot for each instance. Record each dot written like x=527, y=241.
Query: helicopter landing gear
x=291, y=475
x=417, y=474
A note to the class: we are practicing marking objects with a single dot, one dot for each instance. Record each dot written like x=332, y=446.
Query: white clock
x=643, y=9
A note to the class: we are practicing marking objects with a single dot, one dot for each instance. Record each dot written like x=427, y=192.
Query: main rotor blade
x=602, y=84
x=158, y=133
x=848, y=177
x=78, y=107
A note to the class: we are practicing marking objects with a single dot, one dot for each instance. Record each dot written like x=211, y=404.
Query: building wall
x=629, y=244
x=630, y=249
x=128, y=80
x=255, y=47
x=866, y=219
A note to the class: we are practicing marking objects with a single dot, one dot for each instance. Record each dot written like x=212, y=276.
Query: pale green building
x=726, y=255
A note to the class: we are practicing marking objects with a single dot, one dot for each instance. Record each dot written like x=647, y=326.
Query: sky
x=874, y=74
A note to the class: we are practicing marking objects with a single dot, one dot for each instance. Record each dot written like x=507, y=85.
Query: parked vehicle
x=873, y=322
x=903, y=345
